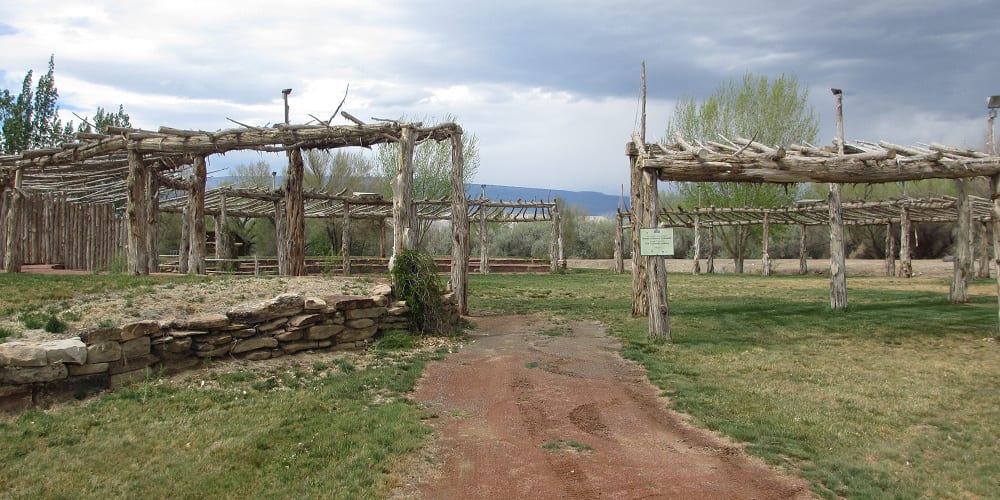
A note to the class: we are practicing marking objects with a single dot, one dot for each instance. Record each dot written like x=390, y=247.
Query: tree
x=102, y=120
x=431, y=168
x=773, y=112
x=31, y=119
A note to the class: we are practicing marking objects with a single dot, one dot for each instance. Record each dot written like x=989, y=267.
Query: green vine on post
x=415, y=280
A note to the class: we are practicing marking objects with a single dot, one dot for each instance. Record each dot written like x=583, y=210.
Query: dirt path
x=522, y=414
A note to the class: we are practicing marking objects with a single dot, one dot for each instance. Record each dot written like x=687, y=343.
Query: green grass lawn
x=896, y=397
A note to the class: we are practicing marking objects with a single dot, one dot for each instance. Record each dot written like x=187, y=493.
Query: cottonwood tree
x=30, y=119
x=431, y=169
x=773, y=112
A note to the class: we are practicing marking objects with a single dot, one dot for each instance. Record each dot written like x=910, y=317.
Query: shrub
x=416, y=281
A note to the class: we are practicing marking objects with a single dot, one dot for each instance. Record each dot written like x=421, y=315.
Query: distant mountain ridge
x=592, y=202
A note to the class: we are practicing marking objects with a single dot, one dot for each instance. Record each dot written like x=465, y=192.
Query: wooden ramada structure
x=109, y=188
x=743, y=160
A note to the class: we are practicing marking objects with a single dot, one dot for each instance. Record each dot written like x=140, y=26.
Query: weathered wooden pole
x=222, y=243
x=984, y=251
x=184, y=247
x=905, y=250
x=135, y=214
x=995, y=196
x=280, y=233
x=619, y=243
x=484, y=247
x=295, y=220
x=13, y=251
x=402, y=194
x=658, y=307
x=890, y=250
x=152, y=219
x=696, y=261
x=554, y=248
x=639, y=278
x=838, y=273
x=803, y=265
x=345, y=240
x=196, y=225
x=459, y=225
x=381, y=237
x=710, y=261
x=765, y=257
x=959, y=291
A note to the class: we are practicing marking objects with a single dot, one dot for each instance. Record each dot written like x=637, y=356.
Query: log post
x=905, y=250
x=658, y=307
x=196, y=225
x=4, y=197
x=890, y=250
x=619, y=244
x=345, y=240
x=696, y=262
x=136, y=217
x=984, y=251
x=959, y=291
x=765, y=258
x=838, y=274
x=381, y=237
x=184, y=247
x=484, y=246
x=995, y=196
x=803, y=265
x=13, y=252
x=152, y=219
x=279, y=233
x=459, y=225
x=639, y=279
x=710, y=261
x=222, y=235
x=554, y=251
x=295, y=221
x=402, y=194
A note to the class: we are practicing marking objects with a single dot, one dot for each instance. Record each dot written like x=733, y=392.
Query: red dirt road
x=512, y=390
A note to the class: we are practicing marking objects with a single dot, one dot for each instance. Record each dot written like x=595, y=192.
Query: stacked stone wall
x=34, y=373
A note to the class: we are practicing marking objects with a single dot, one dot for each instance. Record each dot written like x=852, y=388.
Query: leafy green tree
x=431, y=168
x=31, y=119
x=103, y=119
x=774, y=112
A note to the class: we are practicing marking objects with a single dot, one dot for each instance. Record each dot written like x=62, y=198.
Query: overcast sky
x=550, y=87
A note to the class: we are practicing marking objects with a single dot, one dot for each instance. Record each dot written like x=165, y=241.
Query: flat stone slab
x=287, y=304
x=22, y=354
x=72, y=351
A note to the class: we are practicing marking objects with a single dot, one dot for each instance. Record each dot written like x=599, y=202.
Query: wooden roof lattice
x=260, y=203
x=94, y=168
x=863, y=162
x=858, y=213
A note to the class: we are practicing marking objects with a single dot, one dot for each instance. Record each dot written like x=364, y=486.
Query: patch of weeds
x=71, y=316
x=345, y=365
x=5, y=333
x=106, y=323
x=55, y=325
x=270, y=383
x=233, y=378
x=198, y=299
x=320, y=365
x=395, y=341
x=559, y=444
x=531, y=364
x=32, y=321
x=556, y=331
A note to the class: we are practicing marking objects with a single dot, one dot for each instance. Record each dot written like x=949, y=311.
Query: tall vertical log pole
x=984, y=251
x=556, y=239
x=12, y=253
x=402, y=194
x=184, y=247
x=995, y=196
x=696, y=261
x=295, y=216
x=838, y=274
x=905, y=250
x=152, y=219
x=765, y=257
x=280, y=233
x=890, y=250
x=639, y=279
x=135, y=214
x=459, y=225
x=196, y=226
x=803, y=265
x=345, y=240
x=659, y=308
x=619, y=243
x=959, y=291
x=381, y=237
x=222, y=243
x=710, y=261
x=484, y=247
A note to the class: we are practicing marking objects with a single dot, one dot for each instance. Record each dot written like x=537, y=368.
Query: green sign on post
x=657, y=241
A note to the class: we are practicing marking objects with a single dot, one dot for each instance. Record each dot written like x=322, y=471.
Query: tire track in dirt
x=523, y=415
